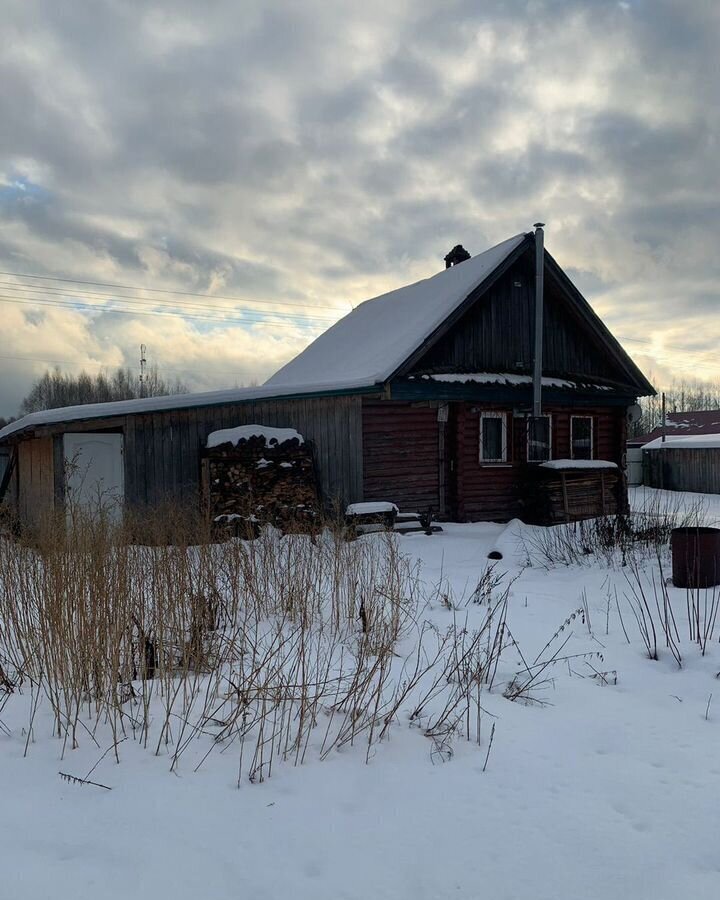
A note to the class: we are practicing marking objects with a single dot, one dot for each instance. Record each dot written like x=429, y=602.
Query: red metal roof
x=680, y=424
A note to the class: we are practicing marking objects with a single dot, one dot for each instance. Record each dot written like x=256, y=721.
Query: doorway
x=94, y=474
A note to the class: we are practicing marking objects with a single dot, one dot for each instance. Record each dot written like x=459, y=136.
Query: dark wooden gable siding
x=496, y=334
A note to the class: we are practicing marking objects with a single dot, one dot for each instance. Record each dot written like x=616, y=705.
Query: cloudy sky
x=279, y=161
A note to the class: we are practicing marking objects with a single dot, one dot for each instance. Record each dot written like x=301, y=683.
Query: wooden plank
x=185, y=454
x=130, y=461
x=58, y=472
x=148, y=459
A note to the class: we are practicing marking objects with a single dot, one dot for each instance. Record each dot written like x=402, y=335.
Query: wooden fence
x=676, y=469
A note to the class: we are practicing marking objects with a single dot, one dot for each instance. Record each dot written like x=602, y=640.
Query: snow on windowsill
x=579, y=464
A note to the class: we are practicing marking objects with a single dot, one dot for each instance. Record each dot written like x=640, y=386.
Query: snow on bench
x=371, y=508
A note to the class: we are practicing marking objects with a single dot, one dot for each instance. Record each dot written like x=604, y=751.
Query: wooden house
x=422, y=397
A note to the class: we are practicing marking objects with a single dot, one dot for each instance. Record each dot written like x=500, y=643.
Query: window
x=493, y=437
x=539, y=439
x=581, y=437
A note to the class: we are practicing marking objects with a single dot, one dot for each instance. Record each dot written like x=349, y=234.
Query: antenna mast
x=143, y=362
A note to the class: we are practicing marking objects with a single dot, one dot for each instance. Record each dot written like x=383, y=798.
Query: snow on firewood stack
x=256, y=474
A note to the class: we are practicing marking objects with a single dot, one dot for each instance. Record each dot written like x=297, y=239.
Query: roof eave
x=46, y=428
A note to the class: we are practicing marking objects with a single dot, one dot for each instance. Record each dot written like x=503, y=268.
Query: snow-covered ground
x=705, y=506
x=593, y=789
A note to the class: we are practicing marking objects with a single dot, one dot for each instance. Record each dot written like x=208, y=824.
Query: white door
x=634, y=465
x=94, y=474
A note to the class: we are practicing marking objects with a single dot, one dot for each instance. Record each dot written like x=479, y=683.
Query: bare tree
x=56, y=388
x=680, y=396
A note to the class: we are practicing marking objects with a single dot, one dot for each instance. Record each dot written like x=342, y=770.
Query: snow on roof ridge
x=372, y=341
x=506, y=378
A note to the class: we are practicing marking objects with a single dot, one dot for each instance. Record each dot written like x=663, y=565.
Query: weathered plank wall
x=162, y=450
x=35, y=480
x=401, y=454
x=696, y=470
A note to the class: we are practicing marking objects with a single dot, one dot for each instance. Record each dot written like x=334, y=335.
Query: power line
x=152, y=303
x=127, y=287
x=259, y=319
x=669, y=346
x=79, y=365
x=180, y=304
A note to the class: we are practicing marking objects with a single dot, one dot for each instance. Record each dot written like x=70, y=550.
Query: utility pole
x=538, y=360
x=664, y=420
x=143, y=361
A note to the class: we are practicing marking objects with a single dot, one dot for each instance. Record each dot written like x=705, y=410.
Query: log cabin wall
x=401, y=461
x=401, y=458
x=493, y=491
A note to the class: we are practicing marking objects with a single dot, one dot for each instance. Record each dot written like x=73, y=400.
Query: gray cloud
x=322, y=152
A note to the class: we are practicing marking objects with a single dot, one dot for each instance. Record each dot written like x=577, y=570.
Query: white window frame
x=592, y=435
x=549, y=417
x=503, y=416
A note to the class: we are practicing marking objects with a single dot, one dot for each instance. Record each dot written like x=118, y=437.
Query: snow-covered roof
x=688, y=442
x=245, y=432
x=172, y=402
x=702, y=421
x=369, y=344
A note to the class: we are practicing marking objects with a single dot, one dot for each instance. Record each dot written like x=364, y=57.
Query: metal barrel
x=695, y=557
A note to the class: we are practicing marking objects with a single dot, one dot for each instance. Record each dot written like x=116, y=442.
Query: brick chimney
x=457, y=255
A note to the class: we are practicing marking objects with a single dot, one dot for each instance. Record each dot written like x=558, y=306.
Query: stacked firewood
x=552, y=496
x=260, y=482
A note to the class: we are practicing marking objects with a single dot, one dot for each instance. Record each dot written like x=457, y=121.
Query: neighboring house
x=681, y=424
x=422, y=396
x=677, y=424
x=683, y=462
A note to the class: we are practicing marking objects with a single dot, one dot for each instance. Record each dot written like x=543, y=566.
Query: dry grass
x=616, y=541
x=272, y=649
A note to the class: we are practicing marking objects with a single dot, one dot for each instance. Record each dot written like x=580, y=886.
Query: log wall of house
x=488, y=491
x=401, y=454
